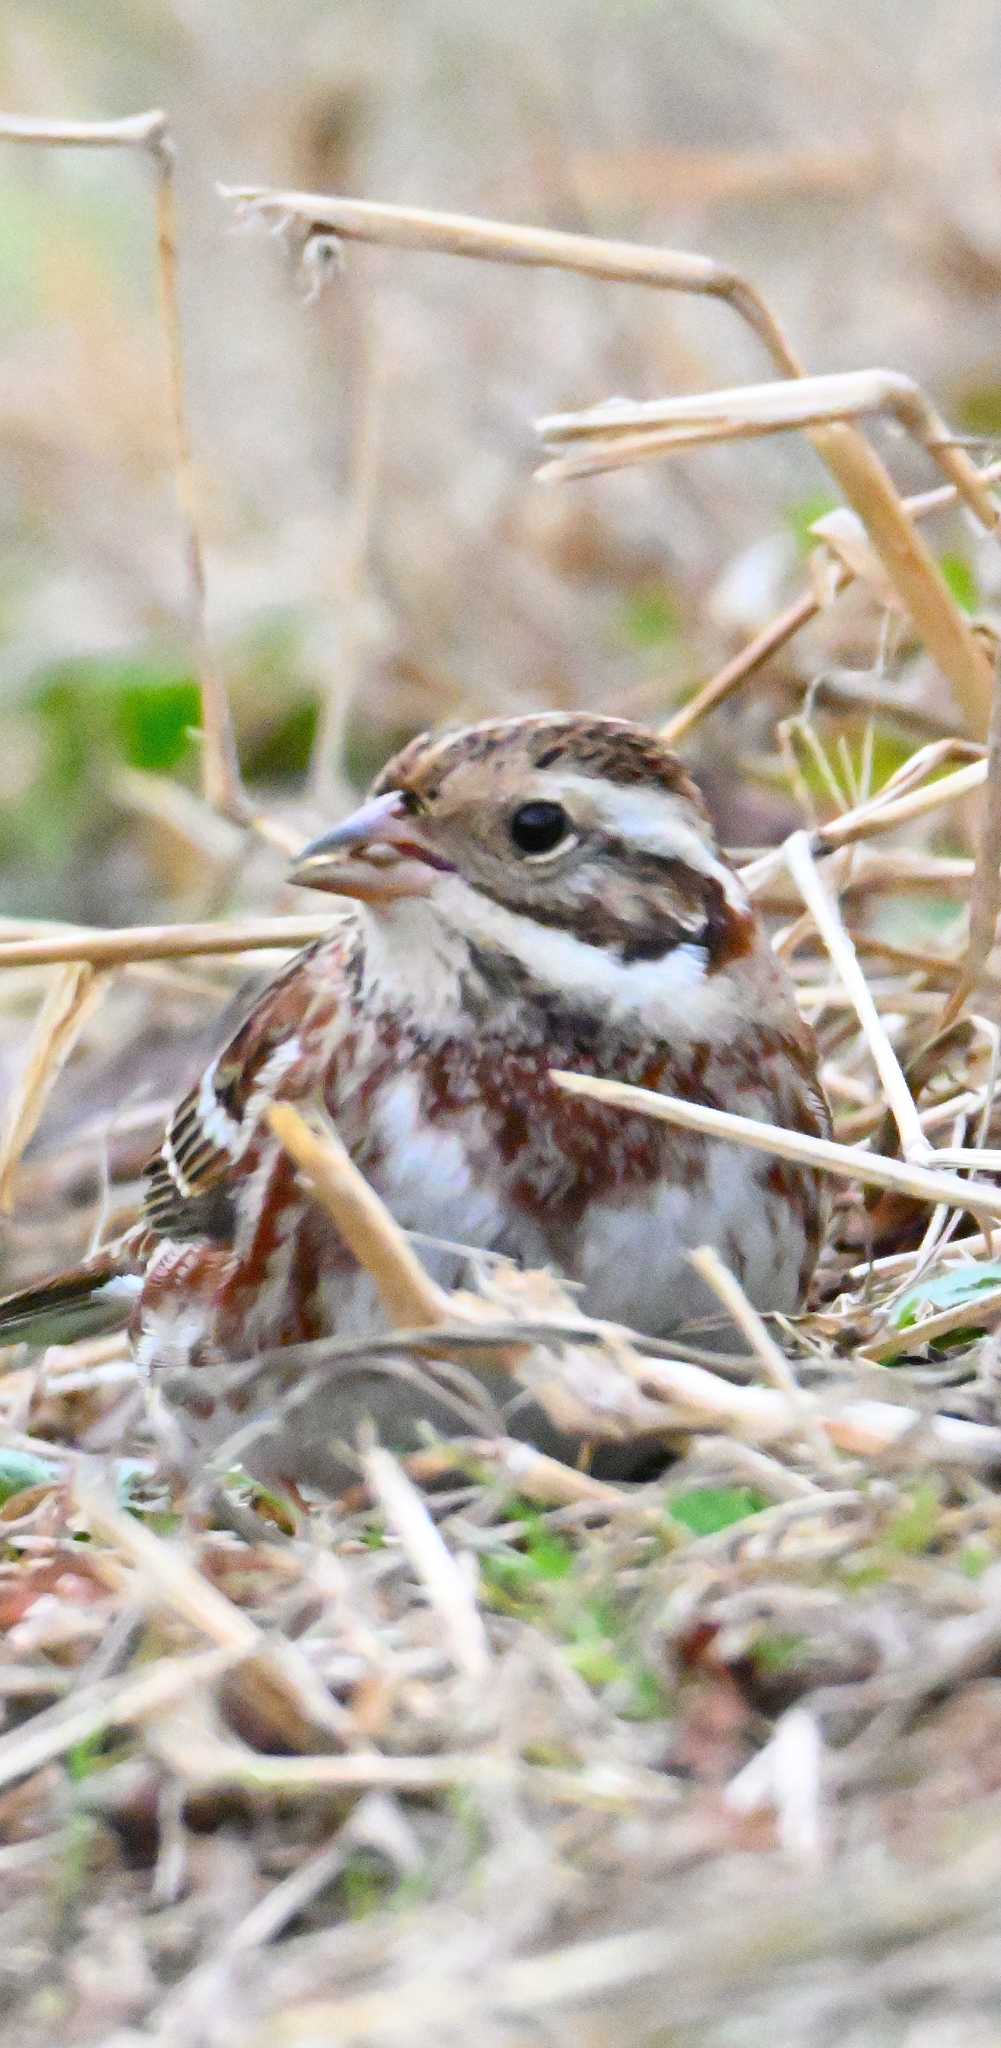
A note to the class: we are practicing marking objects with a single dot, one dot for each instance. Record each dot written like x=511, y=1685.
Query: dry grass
x=493, y=1750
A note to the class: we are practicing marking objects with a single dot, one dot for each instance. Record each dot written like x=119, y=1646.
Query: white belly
x=633, y=1260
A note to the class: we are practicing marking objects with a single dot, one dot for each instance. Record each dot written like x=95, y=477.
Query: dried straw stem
x=118, y=1702
x=662, y=424
x=491, y=241
x=135, y=131
x=449, y=1589
x=744, y=665
x=66, y=1010
x=821, y=410
x=826, y=916
x=163, y=942
x=165, y=1577
x=883, y=814
x=408, y=1295
x=985, y=896
x=772, y=1359
x=846, y=1162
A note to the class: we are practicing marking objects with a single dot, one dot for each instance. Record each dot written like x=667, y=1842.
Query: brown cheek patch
x=647, y=937
x=730, y=933
x=643, y=907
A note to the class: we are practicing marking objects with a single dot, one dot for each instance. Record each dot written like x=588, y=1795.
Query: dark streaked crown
x=612, y=748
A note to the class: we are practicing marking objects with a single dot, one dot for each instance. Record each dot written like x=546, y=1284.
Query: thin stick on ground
x=984, y=1309
x=275, y=1677
x=773, y=1360
x=450, y=1591
x=534, y=1474
x=167, y=1578
x=110, y=1703
x=696, y=1398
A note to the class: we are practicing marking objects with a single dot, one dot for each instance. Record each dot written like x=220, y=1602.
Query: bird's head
x=581, y=825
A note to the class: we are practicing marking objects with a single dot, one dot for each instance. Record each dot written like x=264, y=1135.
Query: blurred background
x=377, y=545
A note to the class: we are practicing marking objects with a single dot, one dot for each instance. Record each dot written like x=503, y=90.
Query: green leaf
x=917, y=1526
x=801, y=517
x=549, y=1555
x=947, y=1290
x=154, y=720
x=978, y=409
x=707, y=1509
x=285, y=751
x=974, y=1560
x=647, y=1698
x=961, y=579
x=597, y=1663
x=365, y=1882
x=650, y=618
x=19, y=1471
x=889, y=753
x=593, y=1631
x=778, y=1652
x=86, y=1756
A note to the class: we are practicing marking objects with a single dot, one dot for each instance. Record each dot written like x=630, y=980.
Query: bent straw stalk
x=492, y=241
x=906, y=558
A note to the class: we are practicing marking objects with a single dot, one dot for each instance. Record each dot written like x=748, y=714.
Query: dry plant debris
x=496, y=1748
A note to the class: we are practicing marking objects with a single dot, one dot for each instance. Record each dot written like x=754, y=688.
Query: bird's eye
x=539, y=827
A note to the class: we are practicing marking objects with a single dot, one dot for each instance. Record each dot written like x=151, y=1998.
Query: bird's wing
x=281, y=1049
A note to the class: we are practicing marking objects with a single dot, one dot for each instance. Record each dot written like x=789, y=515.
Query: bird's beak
x=376, y=854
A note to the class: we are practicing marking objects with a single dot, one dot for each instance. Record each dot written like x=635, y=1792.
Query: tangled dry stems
x=532, y=1754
